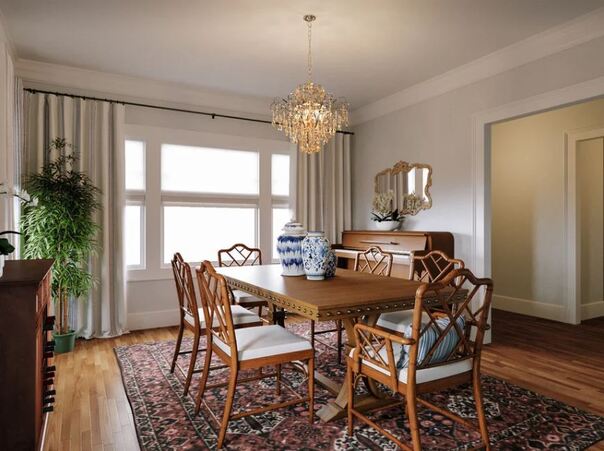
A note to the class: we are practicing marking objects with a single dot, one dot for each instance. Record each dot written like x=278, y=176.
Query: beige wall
x=440, y=132
x=590, y=211
x=528, y=222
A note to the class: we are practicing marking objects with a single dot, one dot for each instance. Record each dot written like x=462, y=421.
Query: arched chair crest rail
x=440, y=349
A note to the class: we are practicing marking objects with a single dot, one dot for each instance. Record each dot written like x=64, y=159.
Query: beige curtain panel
x=95, y=129
x=323, y=199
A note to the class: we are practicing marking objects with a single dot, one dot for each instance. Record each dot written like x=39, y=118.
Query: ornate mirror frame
x=412, y=204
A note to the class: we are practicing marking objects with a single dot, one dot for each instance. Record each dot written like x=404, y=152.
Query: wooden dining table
x=350, y=296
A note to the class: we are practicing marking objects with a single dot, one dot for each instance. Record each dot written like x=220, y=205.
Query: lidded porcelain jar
x=289, y=248
x=315, y=252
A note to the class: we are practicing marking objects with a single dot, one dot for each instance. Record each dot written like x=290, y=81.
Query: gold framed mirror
x=410, y=184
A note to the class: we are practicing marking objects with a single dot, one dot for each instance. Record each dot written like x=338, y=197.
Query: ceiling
x=363, y=49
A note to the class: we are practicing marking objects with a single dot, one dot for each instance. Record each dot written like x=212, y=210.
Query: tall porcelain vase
x=315, y=253
x=289, y=248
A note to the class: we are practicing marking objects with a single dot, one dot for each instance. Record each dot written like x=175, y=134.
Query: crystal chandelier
x=309, y=116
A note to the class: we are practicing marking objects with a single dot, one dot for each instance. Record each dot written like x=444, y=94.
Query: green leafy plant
x=62, y=226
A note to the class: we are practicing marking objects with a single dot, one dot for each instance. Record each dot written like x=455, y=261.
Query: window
x=203, y=170
x=281, y=216
x=195, y=193
x=134, y=235
x=199, y=232
x=134, y=169
x=280, y=175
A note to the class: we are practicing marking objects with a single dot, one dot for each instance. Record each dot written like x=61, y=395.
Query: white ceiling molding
x=580, y=30
x=82, y=81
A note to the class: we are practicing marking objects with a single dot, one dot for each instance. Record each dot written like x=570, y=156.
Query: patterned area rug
x=518, y=419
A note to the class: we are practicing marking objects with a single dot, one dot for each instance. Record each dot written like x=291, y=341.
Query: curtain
x=323, y=199
x=95, y=130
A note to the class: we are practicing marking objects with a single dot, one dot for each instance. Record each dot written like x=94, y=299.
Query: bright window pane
x=199, y=232
x=133, y=238
x=204, y=170
x=280, y=175
x=135, y=165
x=281, y=216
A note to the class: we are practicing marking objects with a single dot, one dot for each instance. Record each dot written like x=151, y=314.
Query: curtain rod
x=158, y=107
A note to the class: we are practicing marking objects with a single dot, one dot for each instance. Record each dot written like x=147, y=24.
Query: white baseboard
x=592, y=310
x=530, y=307
x=150, y=320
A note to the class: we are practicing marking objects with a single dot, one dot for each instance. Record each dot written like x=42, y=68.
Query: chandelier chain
x=309, y=51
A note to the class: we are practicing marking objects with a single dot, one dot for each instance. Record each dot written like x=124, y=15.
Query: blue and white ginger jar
x=315, y=253
x=289, y=248
x=330, y=270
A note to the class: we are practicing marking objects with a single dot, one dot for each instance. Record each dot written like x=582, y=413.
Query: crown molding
x=75, y=80
x=569, y=34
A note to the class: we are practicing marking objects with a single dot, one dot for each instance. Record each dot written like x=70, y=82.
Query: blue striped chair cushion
x=427, y=340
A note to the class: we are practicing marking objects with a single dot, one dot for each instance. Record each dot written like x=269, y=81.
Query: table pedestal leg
x=374, y=399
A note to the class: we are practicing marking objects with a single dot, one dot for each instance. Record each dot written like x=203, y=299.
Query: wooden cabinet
x=399, y=243
x=26, y=351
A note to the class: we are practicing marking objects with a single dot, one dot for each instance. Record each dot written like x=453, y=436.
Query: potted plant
x=62, y=227
x=382, y=213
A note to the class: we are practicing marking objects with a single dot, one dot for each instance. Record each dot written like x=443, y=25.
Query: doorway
x=546, y=213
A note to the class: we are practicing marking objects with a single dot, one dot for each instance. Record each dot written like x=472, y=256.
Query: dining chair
x=192, y=318
x=439, y=350
x=373, y=261
x=251, y=348
x=425, y=267
x=241, y=255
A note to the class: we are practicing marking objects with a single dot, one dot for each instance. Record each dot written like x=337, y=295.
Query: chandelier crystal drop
x=310, y=116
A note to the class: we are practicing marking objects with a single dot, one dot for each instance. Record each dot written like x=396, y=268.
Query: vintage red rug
x=518, y=419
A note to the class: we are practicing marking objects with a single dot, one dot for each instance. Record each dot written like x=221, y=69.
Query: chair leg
x=227, y=407
x=192, y=362
x=482, y=419
x=311, y=389
x=312, y=333
x=204, y=378
x=181, y=329
x=350, y=390
x=260, y=311
x=278, y=381
x=339, y=328
x=413, y=423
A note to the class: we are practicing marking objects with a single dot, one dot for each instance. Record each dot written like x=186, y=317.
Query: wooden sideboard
x=26, y=370
x=399, y=243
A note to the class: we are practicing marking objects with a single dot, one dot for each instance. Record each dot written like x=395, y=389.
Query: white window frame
x=154, y=199
x=138, y=197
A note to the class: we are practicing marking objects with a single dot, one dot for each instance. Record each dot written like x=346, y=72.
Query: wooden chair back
x=185, y=288
x=433, y=301
x=239, y=255
x=433, y=266
x=374, y=261
x=443, y=300
x=216, y=305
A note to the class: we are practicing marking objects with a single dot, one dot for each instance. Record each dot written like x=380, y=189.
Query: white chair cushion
x=241, y=315
x=398, y=321
x=264, y=341
x=426, y=374
x=241, y=297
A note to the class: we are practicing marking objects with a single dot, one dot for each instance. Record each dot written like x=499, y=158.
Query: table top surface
x=348, y=294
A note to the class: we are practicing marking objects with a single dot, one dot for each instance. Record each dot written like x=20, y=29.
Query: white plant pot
x=2, y=258
x=386, y=226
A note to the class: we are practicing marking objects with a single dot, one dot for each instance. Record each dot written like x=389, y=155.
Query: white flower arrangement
x=382, y=208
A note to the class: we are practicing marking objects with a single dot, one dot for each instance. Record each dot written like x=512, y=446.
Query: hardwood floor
x=558, y=360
